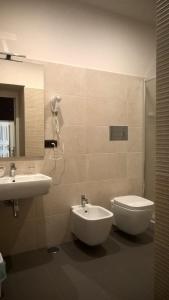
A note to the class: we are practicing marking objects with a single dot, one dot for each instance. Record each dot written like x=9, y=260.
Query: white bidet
x=91, y=224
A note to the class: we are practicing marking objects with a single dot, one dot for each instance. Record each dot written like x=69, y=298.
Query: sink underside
x=25, y=186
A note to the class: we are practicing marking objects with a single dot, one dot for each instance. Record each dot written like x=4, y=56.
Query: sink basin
x=25, y=186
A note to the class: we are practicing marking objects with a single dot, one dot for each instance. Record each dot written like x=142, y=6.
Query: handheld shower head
x=55, y=104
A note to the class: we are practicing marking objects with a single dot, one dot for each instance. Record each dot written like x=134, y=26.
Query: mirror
x=21, y=109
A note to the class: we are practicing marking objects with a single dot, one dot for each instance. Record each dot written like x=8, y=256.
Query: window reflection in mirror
x=11, y=121
x=7, y=127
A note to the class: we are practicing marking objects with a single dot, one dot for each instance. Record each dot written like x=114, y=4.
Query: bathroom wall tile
x=73, y=110
x=53, y=230
x=67, y=169
x=106, y=111
x=5, y=241
x=53, y=166
x=135, y=88
x=102, y=191
x=6, y=213
x=135, y=113
x=27, y=212
x=38, y=165
x=135, y=165
x=135, y=100
x=22, y=166
x=135, y=139
x=135, y=187
x=105, y=166
x=63, y=79
x=105, y=84
x=49, y=131
x=118, y=165
x=74, y=81
x=22, y=236
x=74, y=139
x=25, y=167
x=60, y=199
x=53, y=79
x=119, y=187
x=75, y=169
x=98, y=141
x=98, y=166
x=27, y=209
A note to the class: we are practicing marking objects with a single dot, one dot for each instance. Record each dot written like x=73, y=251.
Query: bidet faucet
x=84, y=200
x=12, y=170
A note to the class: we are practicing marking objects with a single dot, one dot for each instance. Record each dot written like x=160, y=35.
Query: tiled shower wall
x=91, y=102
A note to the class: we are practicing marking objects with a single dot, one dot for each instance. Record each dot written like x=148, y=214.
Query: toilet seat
x=133, y=202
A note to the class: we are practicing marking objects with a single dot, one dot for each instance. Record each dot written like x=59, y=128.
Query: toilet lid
x=133, y=202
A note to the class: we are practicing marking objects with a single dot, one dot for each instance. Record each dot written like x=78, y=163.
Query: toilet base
x=132, y=222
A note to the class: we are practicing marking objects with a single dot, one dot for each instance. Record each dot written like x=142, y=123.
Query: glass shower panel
x=150, y=143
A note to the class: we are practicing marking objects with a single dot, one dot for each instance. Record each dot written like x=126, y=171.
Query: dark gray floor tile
x=120, y=269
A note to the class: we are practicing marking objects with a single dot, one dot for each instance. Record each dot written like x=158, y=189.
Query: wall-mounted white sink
x=25, y=186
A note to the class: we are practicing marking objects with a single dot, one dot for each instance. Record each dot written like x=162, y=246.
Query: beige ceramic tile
x=74, y=139
x=75, y=169
x=22, y=236
x=105, y=84
x=53, y=165
x=22, y=166
x=135, y=165
x=6, y=214
x=118, y=166
x=50, y=131
x=60, y=199
x=106, y=112
x=62, y=79
x=74, y=81
x=135, y=187
x=101, y=192
x=135, y=99
x=135, y=113
x=53, y=79
x=53, y=230
x=27, y=209
x=135, y=139
x=38, y=165
x=106, y=166
x=73, y=110
x=65, y=169
x=98, y=141
x=135, y=88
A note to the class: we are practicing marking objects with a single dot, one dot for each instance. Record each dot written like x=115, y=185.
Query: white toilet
x=132, y=214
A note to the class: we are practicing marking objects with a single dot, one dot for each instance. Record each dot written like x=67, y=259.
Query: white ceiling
x=141, y=10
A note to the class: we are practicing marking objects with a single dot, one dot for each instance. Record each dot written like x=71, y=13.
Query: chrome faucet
x=84, y=200
x=12, y=170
